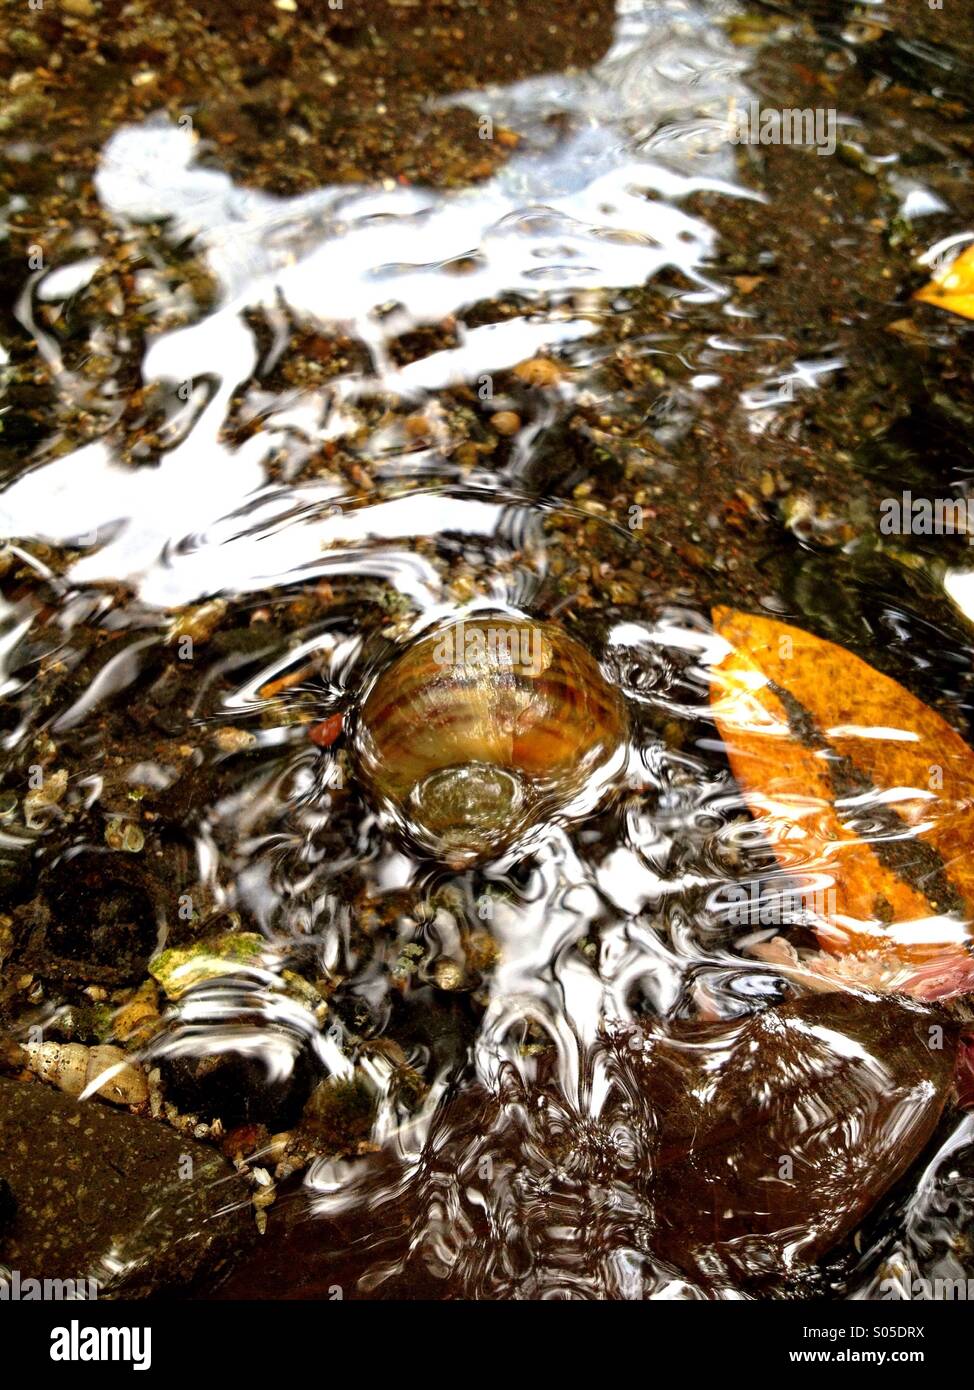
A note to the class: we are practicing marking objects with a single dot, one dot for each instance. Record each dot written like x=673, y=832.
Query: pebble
x=538, y=371
x=199, y=623
x=42, y=798
x=232, y=740
x=179, y=968
x=448, y=974
x=506, y=422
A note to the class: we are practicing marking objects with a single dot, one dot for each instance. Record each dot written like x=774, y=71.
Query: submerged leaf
x=861, y=787
x=952, y=287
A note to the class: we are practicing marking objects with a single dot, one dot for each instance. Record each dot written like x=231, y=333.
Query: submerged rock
x=777, y=1133
x=8, y=1207
x=238, y=1088
x=180, y=968
x=97, y=920
x=109, y=1196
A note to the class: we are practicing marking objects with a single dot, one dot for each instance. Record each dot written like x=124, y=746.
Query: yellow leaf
x=859, y=785
x=953, y=286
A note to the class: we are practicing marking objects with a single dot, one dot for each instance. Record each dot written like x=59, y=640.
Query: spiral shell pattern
x=73, y=1067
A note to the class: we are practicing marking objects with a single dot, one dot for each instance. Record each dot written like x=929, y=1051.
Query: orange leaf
x=860, y=786
x=952, y=287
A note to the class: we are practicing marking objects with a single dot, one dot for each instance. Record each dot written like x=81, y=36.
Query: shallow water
x=313, y=449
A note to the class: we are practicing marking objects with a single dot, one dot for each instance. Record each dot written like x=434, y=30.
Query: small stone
x=467, y=455
x=199, y=623
x=277, y=1146
x=506, y=422
x=80, y=9
x=447, y=974
x=537, y=371
x=243, y=1141
x=137, y=1020
x=339, y=1113
x=40, y=799
x=482, y=951
x=180, y=968
x=327, y=731
x=232, y=740
x=25, y=43
x=13, y=1058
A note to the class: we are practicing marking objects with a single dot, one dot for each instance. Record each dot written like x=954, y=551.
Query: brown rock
x=104, y=1195
x=506, y=422
x=538, y=371
x=779, y=1131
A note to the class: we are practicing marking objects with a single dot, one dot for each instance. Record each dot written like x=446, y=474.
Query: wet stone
x=125, y=1201
x=8, y=1207
x=929, y=1235
x=777, y=1133
x=96, y=921
x=237, y=1089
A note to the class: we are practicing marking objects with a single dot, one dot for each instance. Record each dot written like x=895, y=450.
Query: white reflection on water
x=571, y=219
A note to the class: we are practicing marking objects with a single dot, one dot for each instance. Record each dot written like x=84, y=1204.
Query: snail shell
x=487, y=727
x=72, y=1067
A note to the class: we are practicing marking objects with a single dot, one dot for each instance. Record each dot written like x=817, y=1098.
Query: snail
x=72, y=1067
x=485, y=728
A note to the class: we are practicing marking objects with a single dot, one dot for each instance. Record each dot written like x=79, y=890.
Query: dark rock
x=778, y=1132
x=112, y=1197
x=924, y=1247
x=443, y=1027
x=340, y=1113
x=98, y=922
x=8, y=1207
x=13, y=1058
x=237, y=1088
